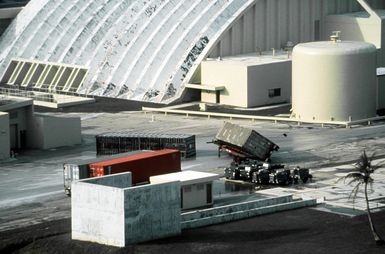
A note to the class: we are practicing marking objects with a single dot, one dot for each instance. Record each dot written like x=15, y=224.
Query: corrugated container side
x=124, y=142
x=142, y=166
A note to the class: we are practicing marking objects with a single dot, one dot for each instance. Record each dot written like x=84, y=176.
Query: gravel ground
x=299, y=231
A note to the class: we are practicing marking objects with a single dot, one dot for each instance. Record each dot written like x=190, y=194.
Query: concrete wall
x=19, y=120
x=48, y=132
x=247, y=86
x=4, y=136
x=261, y=78
x=209, y=96
x=195, y=196
x=152, y=211
x=107, y=210
x=232, y=76
x=354, y=29
x=97, y=210
x=243, y=210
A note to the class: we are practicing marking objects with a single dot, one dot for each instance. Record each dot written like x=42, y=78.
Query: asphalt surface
x=33, y=204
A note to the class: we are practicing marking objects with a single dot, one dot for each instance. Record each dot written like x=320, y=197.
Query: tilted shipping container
x=142, y=166
x=244, y=142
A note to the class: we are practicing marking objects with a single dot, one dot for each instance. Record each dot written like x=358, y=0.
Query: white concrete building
x=196, y=187
x=150, y=50
x=21, y=128
x=246, y=80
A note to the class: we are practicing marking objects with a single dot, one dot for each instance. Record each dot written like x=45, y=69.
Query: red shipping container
x=142, y=166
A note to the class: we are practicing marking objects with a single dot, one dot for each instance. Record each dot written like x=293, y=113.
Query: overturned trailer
x=244, y=143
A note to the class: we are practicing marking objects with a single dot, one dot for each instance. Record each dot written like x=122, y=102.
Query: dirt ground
x=298, y=231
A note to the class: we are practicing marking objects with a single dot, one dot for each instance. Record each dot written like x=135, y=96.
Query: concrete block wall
x=67, y=131
x=108, y=210
x=48, y=132
x=97, y=213
x=122, y=180
x=152, y=211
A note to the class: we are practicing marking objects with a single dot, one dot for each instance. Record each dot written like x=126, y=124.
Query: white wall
x=261, y=78
x=61, y=131
x=4, y=136
x=232, y=76
x=48, y=132
x=97, y=212
x=195, y=195
x=247, y=86
x=354, y=29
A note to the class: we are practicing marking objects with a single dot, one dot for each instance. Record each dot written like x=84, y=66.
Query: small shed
x=196, y=187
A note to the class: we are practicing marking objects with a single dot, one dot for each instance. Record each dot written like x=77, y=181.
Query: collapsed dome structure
x=334, y=81
x=149, y=50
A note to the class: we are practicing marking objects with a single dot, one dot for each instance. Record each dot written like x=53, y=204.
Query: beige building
x=248, y=80
x=21, y=128
x=196, y=187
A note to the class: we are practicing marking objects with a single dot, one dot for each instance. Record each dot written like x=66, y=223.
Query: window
x=274, y=92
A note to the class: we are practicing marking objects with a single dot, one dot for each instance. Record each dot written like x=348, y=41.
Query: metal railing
x=41, y=95
x=187, y=113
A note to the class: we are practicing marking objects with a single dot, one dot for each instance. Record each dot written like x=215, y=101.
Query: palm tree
x=363, y=176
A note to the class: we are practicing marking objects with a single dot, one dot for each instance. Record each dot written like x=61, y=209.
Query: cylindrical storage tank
x=334, y=81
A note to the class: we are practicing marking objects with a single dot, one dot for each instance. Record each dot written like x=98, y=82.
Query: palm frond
x=354, y=192
x=355, y=180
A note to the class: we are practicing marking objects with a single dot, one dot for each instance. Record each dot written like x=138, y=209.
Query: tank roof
x=340, y=47
x=253, y=59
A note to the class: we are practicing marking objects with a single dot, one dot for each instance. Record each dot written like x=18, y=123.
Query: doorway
x=14, y=137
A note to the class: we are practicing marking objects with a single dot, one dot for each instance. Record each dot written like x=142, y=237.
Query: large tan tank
x=334, y=81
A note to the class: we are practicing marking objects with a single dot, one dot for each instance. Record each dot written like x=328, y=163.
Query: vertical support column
x=16, y=73
x=29, y=75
